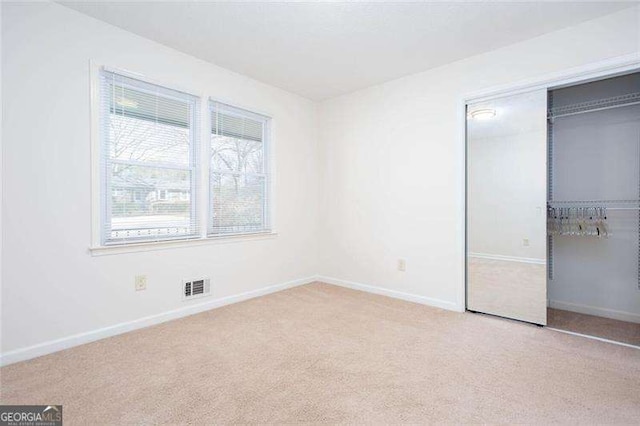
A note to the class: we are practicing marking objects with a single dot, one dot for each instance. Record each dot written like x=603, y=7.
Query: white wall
x=52, y=286
x=391, y=171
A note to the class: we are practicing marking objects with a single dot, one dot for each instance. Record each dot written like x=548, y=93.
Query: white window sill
x=172, y=244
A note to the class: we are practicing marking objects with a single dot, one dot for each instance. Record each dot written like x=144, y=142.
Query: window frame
x=193, y=166
x=200, y=178
x=267, y=202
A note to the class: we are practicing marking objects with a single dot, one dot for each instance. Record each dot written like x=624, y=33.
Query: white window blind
x=148, y=161
x=239, y=172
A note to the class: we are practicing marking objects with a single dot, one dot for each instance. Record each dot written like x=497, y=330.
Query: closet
x=594, y=185
x=553, y=207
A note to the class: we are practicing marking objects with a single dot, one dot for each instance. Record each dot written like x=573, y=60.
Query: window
x=150, y=166
x=239, y=172
x=148, y=150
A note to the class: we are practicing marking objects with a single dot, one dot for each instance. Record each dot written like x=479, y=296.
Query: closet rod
x=598, y=207
x=592, y=203
x=621, y=208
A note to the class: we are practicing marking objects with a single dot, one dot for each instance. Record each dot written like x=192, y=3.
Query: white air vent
x=193, y=289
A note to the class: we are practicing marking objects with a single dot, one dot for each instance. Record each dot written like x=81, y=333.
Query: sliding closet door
x=506, y=207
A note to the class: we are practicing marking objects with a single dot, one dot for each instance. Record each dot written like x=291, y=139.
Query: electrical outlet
x=141, y=282
x=525, y=242
x=402, y=265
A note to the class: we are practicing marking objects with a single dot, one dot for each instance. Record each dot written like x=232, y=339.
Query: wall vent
x=192, y=289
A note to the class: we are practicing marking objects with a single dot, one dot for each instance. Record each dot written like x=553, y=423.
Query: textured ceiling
x=323, y=49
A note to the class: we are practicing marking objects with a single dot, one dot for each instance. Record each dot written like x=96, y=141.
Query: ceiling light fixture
x=483, y=114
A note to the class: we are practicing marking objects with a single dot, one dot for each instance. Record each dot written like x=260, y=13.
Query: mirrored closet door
x=506, y=207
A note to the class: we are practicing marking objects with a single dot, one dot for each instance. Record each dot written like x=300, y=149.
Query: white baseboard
x=438, y=303
x=592, y=310
x=51, y=346
x=508, y=258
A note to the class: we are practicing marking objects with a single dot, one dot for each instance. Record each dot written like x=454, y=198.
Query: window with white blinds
x=149, y=161
x=239, y=172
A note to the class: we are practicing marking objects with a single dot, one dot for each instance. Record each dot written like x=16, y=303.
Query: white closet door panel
x=506, y=207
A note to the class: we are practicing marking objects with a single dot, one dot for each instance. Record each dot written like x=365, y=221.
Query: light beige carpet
x=619, y=331
x=320, y=353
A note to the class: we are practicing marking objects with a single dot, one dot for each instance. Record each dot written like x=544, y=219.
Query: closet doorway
x=594, y=209
x=553, y=207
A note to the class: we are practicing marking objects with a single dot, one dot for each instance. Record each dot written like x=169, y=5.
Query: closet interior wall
x=594, y=161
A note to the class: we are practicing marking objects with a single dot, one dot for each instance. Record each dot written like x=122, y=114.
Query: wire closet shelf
x=608, y=204
x=592, y=106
